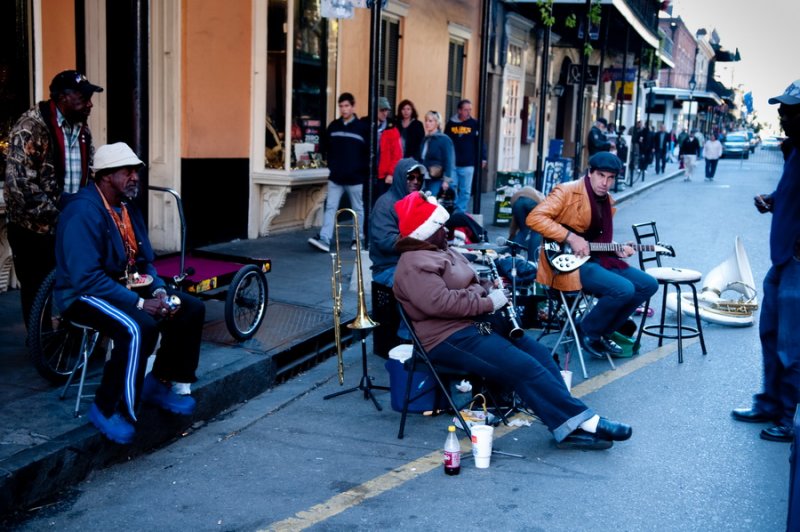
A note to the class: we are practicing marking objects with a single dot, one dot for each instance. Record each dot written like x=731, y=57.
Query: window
x=298, y=112
x=387, y=86
x=455, y=77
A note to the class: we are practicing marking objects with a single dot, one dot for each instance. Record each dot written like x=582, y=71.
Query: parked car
x=753, y=139
x=772, y=142
x=737, y=145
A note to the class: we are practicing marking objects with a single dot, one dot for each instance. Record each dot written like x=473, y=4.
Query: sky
x=767, y=33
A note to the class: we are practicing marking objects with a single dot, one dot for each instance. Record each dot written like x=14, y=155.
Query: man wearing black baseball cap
x=779, y=324
x=579, y=213
x=49, y=155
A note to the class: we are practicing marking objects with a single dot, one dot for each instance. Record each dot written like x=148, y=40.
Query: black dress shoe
x=751, y=415
x=596, y=348
x=611, y=430
x=584, y=441
x=611, y=346
x=779, y=433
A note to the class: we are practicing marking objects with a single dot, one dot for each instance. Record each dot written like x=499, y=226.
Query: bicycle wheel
x=53, y=344
x=246, y=302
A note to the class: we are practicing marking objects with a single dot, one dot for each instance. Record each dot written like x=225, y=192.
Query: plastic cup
x=567, y=374
x=482, y=436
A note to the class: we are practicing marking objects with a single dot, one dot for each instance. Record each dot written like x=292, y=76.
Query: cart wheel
x=53, y=343
x=246, y=302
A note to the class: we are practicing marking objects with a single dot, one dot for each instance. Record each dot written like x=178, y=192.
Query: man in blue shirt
x=780, y=310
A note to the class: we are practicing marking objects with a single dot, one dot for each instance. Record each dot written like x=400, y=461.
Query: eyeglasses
x=415, y=176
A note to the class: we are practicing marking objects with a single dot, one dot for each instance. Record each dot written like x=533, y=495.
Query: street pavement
x=286, y=459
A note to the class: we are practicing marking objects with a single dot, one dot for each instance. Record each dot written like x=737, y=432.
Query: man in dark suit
x=660, y=146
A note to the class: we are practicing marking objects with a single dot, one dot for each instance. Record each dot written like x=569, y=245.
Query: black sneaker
x=318, y=243
x=611, y=346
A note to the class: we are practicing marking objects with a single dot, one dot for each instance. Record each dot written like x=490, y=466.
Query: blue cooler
x=398, y=379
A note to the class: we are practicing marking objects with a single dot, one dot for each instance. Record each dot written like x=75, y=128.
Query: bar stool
x=647, y=233
x=89, y=337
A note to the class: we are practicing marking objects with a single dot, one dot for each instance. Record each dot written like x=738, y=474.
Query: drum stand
x=366, y=381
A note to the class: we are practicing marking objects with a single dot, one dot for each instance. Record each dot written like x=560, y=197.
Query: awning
x=686, y=94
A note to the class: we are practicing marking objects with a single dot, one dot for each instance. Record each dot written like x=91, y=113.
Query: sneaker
x=318, y=243
x=160, y=394
x=116, y=428
x=182, y=388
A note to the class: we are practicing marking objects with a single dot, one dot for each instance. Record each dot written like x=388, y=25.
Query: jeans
x=463, y=186
x=335, y=193
x=433, y=186
x=780, y=338
x=523, y=365
x=711, y=168
x=618, y=294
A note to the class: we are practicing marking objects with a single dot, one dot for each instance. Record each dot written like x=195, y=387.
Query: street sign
x=574, y=74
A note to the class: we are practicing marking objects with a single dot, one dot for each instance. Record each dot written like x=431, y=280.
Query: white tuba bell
x=716, y=306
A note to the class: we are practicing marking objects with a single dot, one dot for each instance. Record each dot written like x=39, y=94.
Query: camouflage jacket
x=34, y=177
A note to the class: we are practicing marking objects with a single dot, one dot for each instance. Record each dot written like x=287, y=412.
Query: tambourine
x=138, y=280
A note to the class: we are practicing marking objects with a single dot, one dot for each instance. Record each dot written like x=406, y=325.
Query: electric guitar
x=560, y=255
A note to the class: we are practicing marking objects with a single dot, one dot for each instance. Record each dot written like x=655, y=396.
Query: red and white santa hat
x=420, y=216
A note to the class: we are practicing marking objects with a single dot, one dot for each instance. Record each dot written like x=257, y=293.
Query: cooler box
x=398, y=379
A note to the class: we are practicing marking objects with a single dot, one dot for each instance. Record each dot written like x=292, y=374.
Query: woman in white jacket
x=712, y=151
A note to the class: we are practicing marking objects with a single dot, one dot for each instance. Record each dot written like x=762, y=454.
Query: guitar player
x=577, y=213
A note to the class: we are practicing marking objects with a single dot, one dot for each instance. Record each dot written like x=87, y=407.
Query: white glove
x=499, y=299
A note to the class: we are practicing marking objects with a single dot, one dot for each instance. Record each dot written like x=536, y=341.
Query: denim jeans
x=433, y=186
x=618, y=293
x=523, y=365
x=711, y=168
x=335, y=193
x=780, y=338
x=463, y=186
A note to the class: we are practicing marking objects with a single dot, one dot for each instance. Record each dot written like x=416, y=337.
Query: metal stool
x=88, y=342
x=569, y=332
x=666, y=277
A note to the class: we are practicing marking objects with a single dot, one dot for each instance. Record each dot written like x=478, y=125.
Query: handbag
x=435, y=171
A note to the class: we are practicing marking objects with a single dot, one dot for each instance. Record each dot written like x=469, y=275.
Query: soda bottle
x=452, y=453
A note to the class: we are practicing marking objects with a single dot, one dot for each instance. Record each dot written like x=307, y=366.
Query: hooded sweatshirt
x=383, y=223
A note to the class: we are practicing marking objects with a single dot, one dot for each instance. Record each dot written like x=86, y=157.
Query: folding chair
x=421, y=354
x=88, y=342
x=647, y=233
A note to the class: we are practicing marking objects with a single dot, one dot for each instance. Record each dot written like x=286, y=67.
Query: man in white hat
x=779, y=323
x=105, y=279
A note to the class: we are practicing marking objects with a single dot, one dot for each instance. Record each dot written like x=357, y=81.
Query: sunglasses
x=415, y=176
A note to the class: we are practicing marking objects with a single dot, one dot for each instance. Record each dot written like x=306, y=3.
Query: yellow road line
x=379, y=485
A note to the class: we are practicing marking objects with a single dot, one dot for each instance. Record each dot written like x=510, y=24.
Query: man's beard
x=132, y=193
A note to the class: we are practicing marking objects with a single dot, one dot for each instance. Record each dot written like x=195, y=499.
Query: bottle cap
x=451, y=428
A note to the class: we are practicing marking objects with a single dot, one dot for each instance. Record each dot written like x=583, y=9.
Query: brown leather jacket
x=567, y=205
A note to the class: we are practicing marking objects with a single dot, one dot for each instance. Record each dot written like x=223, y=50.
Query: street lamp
x=692, y=86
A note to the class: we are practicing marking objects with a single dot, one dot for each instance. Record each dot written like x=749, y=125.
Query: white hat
x=117, y=155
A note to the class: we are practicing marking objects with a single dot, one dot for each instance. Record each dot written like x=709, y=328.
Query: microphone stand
x=514, y=276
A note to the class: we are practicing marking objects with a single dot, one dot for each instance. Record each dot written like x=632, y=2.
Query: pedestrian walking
x=661, y=148
x=462, y=129
x=49, y=154
x=436, y=153
x=347, y=148
x=690, y=148
x=411, y=129
x=779, y=324
x=712, y=151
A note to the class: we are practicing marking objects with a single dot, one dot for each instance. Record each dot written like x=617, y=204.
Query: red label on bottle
x=452, y=459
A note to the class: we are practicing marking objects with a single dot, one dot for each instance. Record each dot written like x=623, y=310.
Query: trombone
x=362, y=319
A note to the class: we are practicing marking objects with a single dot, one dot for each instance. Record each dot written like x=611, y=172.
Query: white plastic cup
x=482, y=436
x=567, y=374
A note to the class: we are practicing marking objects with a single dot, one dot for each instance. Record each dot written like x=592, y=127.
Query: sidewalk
x=44, y=449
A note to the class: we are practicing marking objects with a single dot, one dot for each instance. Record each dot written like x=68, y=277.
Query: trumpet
x=508, y=312
x=362, y=319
